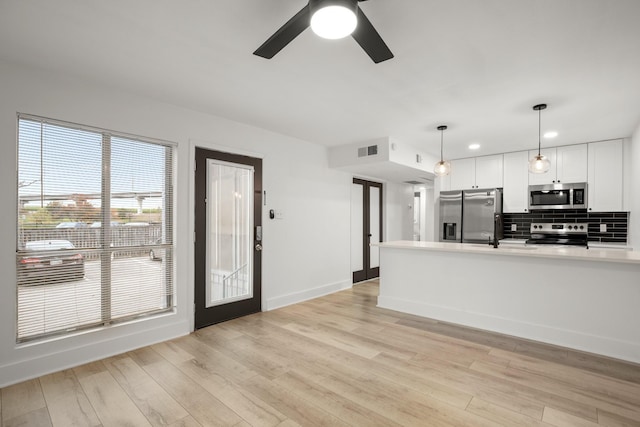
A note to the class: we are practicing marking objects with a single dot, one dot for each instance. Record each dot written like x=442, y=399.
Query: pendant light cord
x=442, y=128
x=539, y=129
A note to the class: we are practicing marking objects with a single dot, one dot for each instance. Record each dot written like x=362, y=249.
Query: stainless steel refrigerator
x=451, y=216
x=471, y=216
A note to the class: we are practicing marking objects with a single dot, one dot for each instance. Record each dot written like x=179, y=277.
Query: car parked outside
x=98, y=224
x=71, y=225
x=49, y=261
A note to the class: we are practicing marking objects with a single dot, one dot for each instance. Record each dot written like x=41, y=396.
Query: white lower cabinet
x=605, y=192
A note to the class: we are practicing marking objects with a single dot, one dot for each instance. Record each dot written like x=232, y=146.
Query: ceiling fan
x=330, y=12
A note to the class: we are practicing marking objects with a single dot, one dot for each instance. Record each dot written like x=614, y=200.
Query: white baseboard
x=295, y=297
x=69, y=357
x=624, y=350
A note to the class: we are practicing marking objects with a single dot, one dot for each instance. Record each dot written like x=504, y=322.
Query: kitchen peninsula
x=586, y=299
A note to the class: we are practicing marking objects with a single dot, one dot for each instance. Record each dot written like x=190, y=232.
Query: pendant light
x=442, y=167
x=539, y=163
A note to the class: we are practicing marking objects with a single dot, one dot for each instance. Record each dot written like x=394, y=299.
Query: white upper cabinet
x=478, y=172
x=571, y=163
x=516, y=182
x=600, y=164
x=568, y=164
x=442, y=183
x=606, y=160
x=463, y=174
x=489, y=171
x=544, y=178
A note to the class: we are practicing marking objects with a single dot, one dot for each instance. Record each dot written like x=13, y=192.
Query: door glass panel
x=357, y=219
x=374, y=226
x=229, y=232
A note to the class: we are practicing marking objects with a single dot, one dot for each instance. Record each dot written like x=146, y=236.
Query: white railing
x=236, y=283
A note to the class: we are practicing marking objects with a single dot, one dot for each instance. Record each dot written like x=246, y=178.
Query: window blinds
x=95, y=227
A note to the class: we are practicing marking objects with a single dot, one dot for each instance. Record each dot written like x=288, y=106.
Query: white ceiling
x=476, y=65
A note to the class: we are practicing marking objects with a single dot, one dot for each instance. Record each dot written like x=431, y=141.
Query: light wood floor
x=333, y=361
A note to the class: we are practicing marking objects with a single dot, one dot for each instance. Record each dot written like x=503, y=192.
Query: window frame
x=105, y=249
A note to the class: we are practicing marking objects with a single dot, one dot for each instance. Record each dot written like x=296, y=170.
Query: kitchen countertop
x=569, y=252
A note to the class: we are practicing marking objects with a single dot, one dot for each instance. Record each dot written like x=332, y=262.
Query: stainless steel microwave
x=558, y=196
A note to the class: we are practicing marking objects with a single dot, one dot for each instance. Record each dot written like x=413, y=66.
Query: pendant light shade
x=333, y=19
x=539, y=163
x=443, y=167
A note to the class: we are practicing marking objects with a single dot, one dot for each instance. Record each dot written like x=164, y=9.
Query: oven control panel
x=560, y=228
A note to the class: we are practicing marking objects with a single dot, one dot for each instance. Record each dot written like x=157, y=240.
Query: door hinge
x=194, y=237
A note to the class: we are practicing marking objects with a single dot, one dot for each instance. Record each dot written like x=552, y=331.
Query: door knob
x=258, y=247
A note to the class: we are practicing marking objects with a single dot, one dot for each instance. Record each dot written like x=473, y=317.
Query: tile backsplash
x=616, y=222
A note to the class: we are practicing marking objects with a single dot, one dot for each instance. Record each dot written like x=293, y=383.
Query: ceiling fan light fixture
x=318, y=14
x=539, y=163
x=333, y=19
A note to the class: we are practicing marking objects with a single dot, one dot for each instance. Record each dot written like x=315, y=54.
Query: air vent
x=371, y=150
x=413, y=182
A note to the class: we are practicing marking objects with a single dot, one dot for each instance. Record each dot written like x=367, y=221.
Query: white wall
x=347, y=155
x=427, y=212
x=305, y=254
x=398, y=212
x=406, y=155
x=634, y=191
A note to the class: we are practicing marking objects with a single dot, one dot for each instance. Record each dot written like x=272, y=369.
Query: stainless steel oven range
x=574, y=234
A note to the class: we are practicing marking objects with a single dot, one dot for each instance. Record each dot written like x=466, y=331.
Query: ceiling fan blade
x=285, y=34
x=369, y=39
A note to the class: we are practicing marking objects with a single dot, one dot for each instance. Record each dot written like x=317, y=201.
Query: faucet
x=497, y=224
x=493, y=241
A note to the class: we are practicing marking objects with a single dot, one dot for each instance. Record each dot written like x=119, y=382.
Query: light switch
x=603, y=228
x=279, y=214
x=514, y=227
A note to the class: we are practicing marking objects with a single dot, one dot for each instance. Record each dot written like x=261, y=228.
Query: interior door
x=366, y=228
x=228, y=241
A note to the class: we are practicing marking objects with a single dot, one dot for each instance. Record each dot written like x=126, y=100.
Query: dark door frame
x=367, y=272
x=220, y=313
